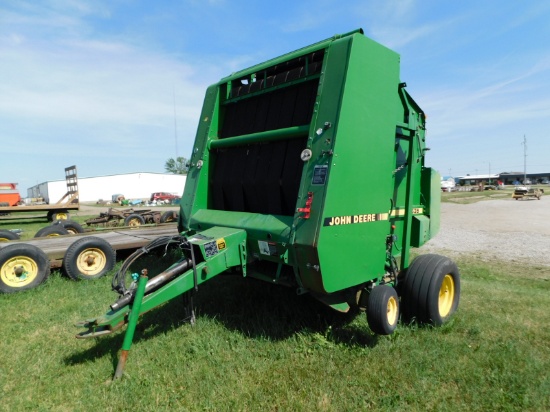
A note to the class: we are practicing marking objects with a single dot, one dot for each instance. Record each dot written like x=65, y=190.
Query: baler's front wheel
x=383, y=310
x=431, y=290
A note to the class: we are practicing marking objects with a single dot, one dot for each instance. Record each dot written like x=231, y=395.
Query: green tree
x=177, y=166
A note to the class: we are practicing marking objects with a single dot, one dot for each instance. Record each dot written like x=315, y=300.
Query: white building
x=131, y=185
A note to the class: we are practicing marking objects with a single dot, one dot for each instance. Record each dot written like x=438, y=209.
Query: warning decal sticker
x=319, y=175
x=267, y=248
x=211, y=249
x=221, y=244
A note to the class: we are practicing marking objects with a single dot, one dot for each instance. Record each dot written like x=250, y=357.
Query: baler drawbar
x=308, y=170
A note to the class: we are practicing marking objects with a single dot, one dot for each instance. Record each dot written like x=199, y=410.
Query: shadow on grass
x=250, y=307
x=257, y=309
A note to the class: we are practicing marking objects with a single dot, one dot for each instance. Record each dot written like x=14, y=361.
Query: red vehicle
x=9, y=194
x=163, y=196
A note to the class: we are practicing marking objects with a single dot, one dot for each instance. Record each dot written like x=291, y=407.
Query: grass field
x=256, y=347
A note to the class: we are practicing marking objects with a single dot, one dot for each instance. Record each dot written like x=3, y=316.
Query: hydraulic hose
x=154, y=283
x=118, y=283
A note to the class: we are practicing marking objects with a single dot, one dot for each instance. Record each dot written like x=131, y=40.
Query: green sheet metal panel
x=195, y=195
x=350, y=179
x=359, y=98
x=431, y=189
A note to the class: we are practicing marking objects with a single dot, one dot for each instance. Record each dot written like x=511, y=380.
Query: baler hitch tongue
x=92, y=332
x=98, y=327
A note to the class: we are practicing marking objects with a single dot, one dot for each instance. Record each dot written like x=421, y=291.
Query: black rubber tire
x=89, y=257
x=134, y=220
x=7, y=235
x=52, y=231
x=32, y=261
x=72, y=227
x=430, y=292
x=169, y=216
x=383, y=310
x=54, y=215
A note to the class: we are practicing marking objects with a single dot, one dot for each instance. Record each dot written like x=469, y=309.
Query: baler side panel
x=195, y=195
x=358, y=96
x=360, y=179
x=316, y=175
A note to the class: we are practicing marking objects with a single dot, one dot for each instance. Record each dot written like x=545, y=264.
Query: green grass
x=472, y=197
x=257, y=347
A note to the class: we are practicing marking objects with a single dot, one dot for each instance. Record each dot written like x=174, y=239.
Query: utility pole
x=175, y=126
x=524, y=159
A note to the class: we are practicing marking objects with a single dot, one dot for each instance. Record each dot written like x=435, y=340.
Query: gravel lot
x=504, y=229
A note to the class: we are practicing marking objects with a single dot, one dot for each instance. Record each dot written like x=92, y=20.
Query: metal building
x=131, y=185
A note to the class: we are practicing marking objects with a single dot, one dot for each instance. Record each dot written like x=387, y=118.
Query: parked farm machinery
x=307, y=171
x=131, y=217
x=523, y=192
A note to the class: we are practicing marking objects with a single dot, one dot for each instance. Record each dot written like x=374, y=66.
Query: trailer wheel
x=7, y=235
x=57, y=215
x=72, y=227
x=383, y=310
x=52, y=231
x=89, y=258
x=134, y=220
x=169, y=216
x=22, y=267
x=431, y=290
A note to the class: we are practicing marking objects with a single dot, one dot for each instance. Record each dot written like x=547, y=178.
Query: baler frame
x=274, y=191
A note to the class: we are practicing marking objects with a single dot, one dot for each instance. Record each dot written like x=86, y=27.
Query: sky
x=116, y=86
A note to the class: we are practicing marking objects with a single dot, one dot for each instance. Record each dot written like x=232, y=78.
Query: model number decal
x=401, y=212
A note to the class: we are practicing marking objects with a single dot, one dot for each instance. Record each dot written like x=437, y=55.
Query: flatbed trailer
x=26, y=264
x=59, y=210
x=119, y=239
x=53, y=212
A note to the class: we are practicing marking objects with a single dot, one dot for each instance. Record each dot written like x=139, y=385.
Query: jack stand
x=189, y=310
x=132, y=322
